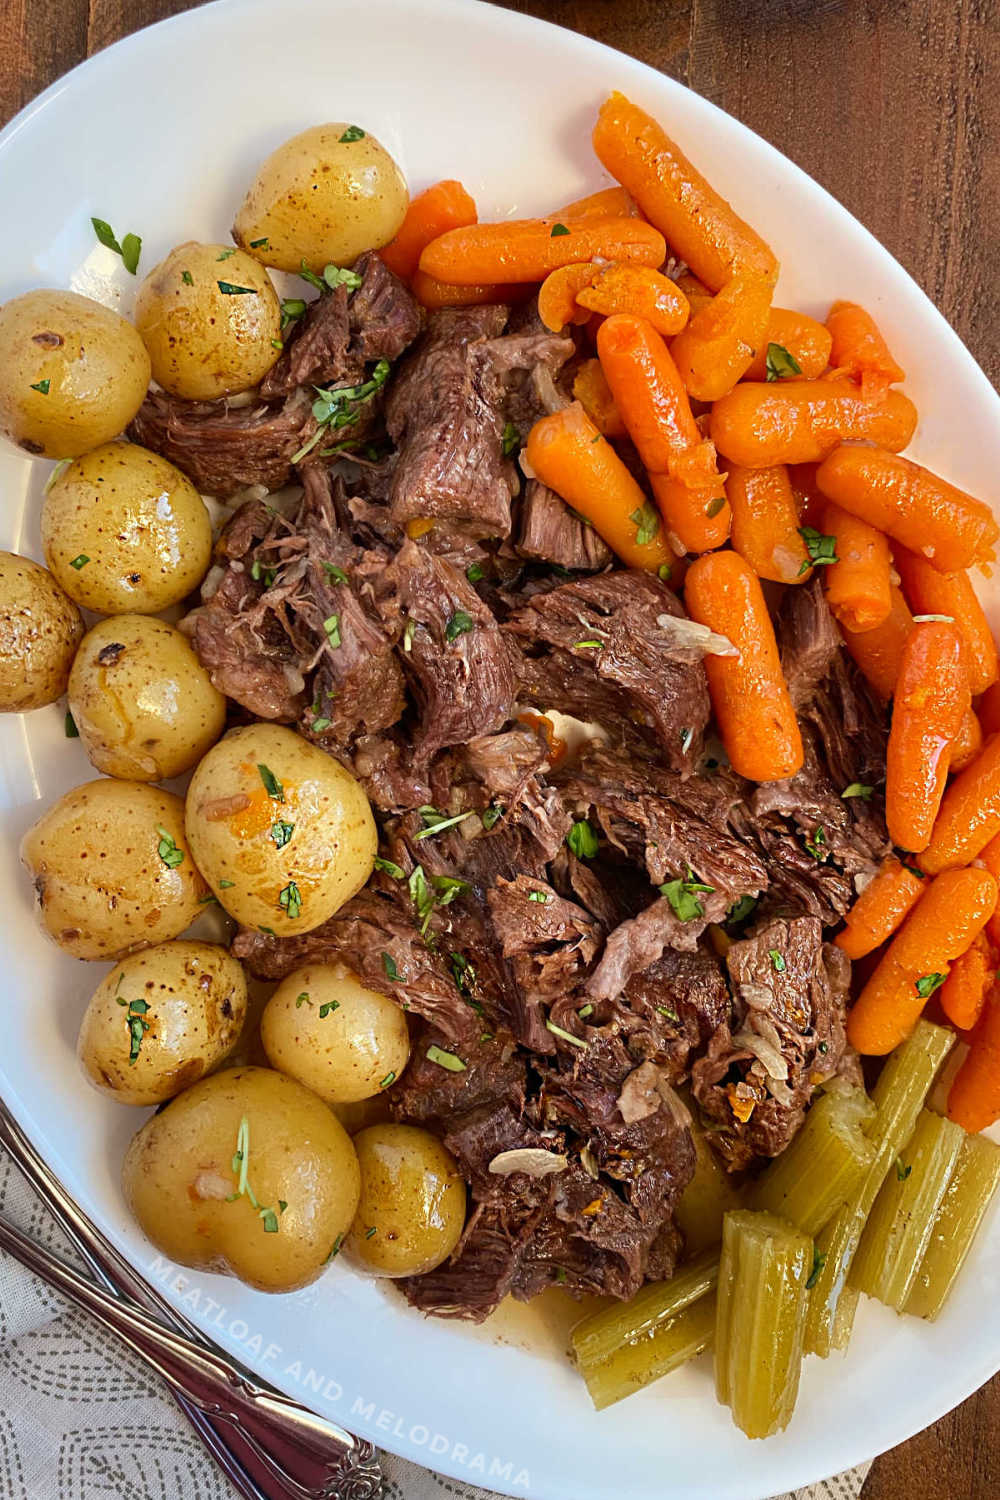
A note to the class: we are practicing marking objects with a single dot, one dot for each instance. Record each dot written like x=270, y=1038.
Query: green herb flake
x=282, y=1205
x=447, y=1060
x=817, y=844
x=225, y=885
x=777, y=961
x=928, y=983
x=780, y=365
x=370, y=1233
x=741, y=909
x=320, y=726
x=588, y=645
x=391, y=971
x=823, y=1048
x=857, y=789
x=567, y=1036
x=277, y=344
x=270, y=1220
x=511, y=440
x=129, y=249
x=671, y=1014
x=69, y=727
x=187, y=278
x=819, y=1261
x=585, y=1011
x=259, y=244
x=137, y=1027
x=663, y=572
x=335, y=276
x=225, y=254
x=388, y=867
x=168, y=850
x=463, y=973
x=335, y=1250
x=332, y=627
x=490, y=816
x=328, y=1008
x=352, y=133
x=474, y=572
x=902, y=1173
x=230, y=289
x=337, y=575
x=80, y=561
x=647, y=523
x=302, y=999
x=281, y=833
x=42, y=387
x=272, y=785
x=558, y=230
x=291, y=308
x=459, y=624
x=582, y=839
x=714, y=506
x=435, y=822
x=339, y=406
x=822, y=549
x=683, y=897
x=390, y=1078
x=290, y=900
x=408, y=630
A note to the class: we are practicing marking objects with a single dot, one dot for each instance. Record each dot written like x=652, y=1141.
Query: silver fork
x=270, y=1446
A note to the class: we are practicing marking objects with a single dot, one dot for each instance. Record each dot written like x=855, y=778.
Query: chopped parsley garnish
x=391, y=971
x=671, y=1015
x=490, y=816
x=259, y=244
x=387, y=1080
x=225, y=885
x=435, y=822
x=290, y=900
x=135, y=1019
x=168, y=850
x=822, y=549
x=511, y=440
x=780, y=364
x=902, y=1173
x=817, y=844
x=857, y=789
x=335, y=1250
x=683, y=897
x=823, y=1048
x=339, y=406
x=459, y=624
x=272, y=785
x=309, y=275
x=337, y=574
x=585, y=1011
x=714, y=506
x=819, y=1261
x=567, y=1036
x=447, y=1060
x=129, y=249
x=277, y=344
x=582, y=839
x=463, y=972
x=261, y=574
x=389, y=868
x=557, y=230
x=370, y=1232
x=69, y=725
x=335, y=276
x=474, y=572
x=302, y=999
x=741, y=909
x=588, y=645
x=777, y=961
x=327, y=1008
x=320, y=726
x=230, y=289
x=352, y=133
x=281, y=833
x=80, y=561
x=42, y=387
x=647, y=523
x=663, y=572
x=187, y=278
x=542, y=897
x=332, y=627
x=241, y=1169
x=928, y=983
x=291, y=308
x=225, y=254
x=408, y=630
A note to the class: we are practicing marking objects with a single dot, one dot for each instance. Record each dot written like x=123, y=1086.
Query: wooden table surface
x=894, y=106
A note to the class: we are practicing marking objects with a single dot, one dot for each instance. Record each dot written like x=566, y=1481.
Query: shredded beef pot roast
x=413, y=613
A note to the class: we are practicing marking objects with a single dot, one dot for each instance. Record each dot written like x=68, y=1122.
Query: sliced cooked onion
x=688, y=636
x=640, y=1093
x=211, y=581
x=531, y=1160
x=751, y=1041
x=757, y=996
x=546, y=389
x=294, y=678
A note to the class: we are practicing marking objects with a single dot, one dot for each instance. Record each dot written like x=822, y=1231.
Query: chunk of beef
x=494, y=1082
x=481, y=1272
x=624, y=620
x=669, y=1012
x=550, y=532
x=549, y=942
x=224, y=448
x=530, y=362
x=808, y=638
x=384, y=766
x=637, y=943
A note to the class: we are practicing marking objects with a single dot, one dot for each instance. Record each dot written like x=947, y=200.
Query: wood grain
x=894, y=105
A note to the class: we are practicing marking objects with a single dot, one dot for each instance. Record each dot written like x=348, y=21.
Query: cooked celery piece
x=843, y=1318
x=652, y=1354
x=970, y=1191
x=710, y=1194
x=760, y=1319
x=822, y=1168
x=898, y=1095
x=598, y=1336
x=901, y=1222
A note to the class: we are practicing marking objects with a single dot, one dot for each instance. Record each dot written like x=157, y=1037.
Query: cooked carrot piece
x=931, y=592
x=722, y=338
x=806, y=340
x=639, y=290
x=970, y=813
x=566, y=452
x=859, y=349
x=557, y=304
x=879, y=651
x=696, y=292
x=801, y=421
x=974, y=1099
x=749, y=694
x=859, y=583
x=964, y=992
x=990, y=859
x=932, y=696
x=699, y=224
x=591, y=389
x=807, y=494
x=944, y=923
x=432, y=294
x=881, y=908
x=988, y=710
x=656, y=411
x=433, y=212
x=528, y=249
x=766, y=523
x=612, y=202
x=967, y=743
x=927, y=514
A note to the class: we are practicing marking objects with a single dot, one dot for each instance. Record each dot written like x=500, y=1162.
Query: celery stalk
x=645, y=1359
x=710, y=1194
x=596, y=1338
x=822, y=1168
x=970, y=1192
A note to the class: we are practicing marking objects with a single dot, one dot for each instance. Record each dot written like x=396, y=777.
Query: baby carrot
x=528, y=249
x=964, y=992
x=858, y=585
x=970, y=813
x=881, y=908
x=927, y=514
x=612, y=202
x=859, y=349
x=806, y=340
x=990, y=859
x=433, y=212
x=766, y=523
x=695, y=291
x=879, y=651
x=557, y=295
x=655, y=409
x=701, y=227
x=930, y=592
x=801, y=421
x=639, y=290
x=807, y=494
x=431, y=293
x=967, y=743
x=591, y=389
x=566, y=452
x=932, y=696
x=748, y=691
x=722, y=338
x=941, y=927
x=974, y=1099
x=988, y=710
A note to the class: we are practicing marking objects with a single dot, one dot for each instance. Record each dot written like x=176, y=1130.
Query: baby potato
x=72, y=373
x=345, y=1042
x=142, y=701
x=161, y=1020
x=40, y=630
x=211, y=321
x=266, y=1138
x=112, y=869
x=412, y=1209
x=325, y=195
x=125, y=532
x=282, y=833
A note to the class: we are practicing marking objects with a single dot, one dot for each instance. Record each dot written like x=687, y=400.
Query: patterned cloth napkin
x=82, y=1419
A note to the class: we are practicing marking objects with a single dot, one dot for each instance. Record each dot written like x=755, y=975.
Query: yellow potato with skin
x=125, y=532
x=112, y=869
x=40, y=630
x=210, y=320
x=143, y=703
x=345, y=1042
x=161, y=1020
x=72, y=373
x=412, y=1197
x=282, y=833
x=180, y=1170
x=322, y=197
